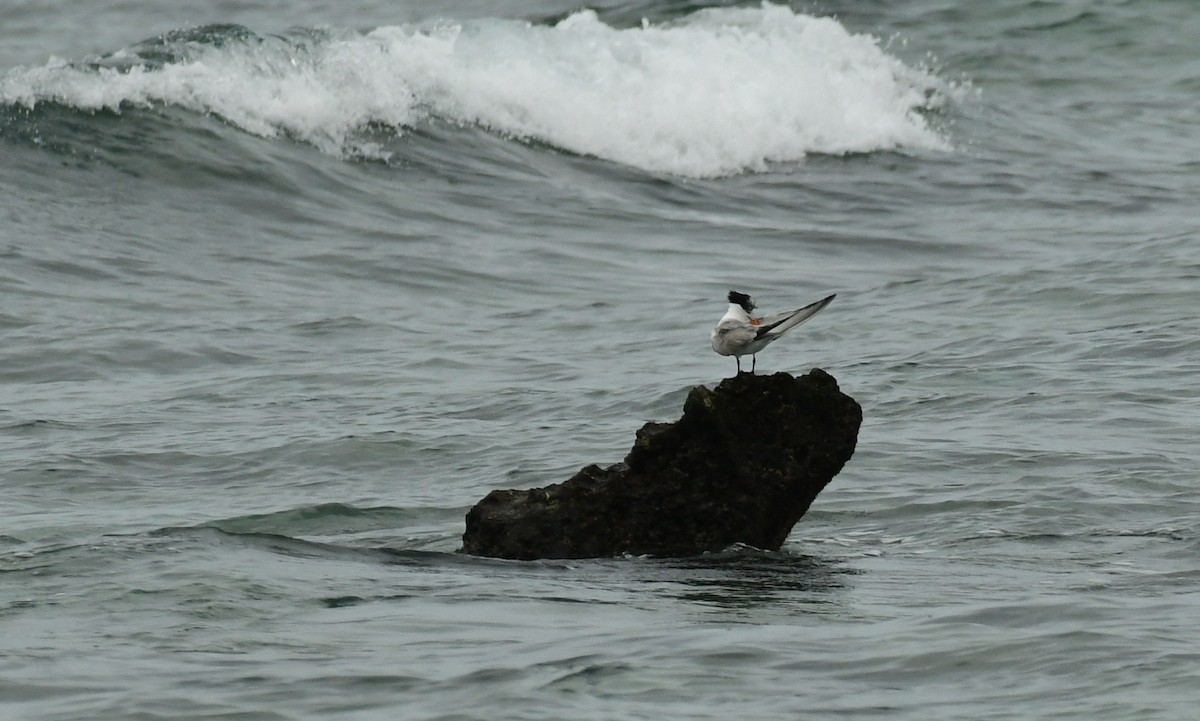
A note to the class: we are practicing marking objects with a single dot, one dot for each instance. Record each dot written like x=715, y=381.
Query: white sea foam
x=719, y=92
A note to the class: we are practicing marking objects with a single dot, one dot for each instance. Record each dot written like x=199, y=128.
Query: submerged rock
x=742, y=465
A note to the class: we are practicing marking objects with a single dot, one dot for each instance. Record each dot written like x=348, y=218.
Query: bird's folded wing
x=733, y=334
x=780, y=323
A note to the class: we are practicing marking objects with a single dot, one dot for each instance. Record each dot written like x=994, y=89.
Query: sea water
x=285, y=288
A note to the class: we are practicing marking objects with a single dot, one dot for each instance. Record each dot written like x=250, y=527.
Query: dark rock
x=742, y=465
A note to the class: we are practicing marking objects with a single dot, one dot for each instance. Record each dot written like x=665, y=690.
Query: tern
x=743, y=332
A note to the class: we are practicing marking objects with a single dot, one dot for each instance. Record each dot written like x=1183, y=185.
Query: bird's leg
x=753, y=362
x=739, y=362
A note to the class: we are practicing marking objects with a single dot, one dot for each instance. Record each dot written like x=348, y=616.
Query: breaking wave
x=719, y=92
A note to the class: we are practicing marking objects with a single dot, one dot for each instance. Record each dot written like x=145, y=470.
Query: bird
x=741, y=331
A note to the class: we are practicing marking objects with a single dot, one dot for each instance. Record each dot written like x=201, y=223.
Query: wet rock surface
x=742, y=465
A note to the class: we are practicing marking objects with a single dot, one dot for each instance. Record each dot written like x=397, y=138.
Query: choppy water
x=286, y=287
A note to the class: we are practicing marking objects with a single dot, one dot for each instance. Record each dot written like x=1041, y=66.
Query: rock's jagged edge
x=742, y=465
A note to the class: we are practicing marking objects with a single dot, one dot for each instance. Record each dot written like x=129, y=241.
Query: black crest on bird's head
x=742, y=299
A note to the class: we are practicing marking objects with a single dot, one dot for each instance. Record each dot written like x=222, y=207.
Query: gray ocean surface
x=287, y=287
